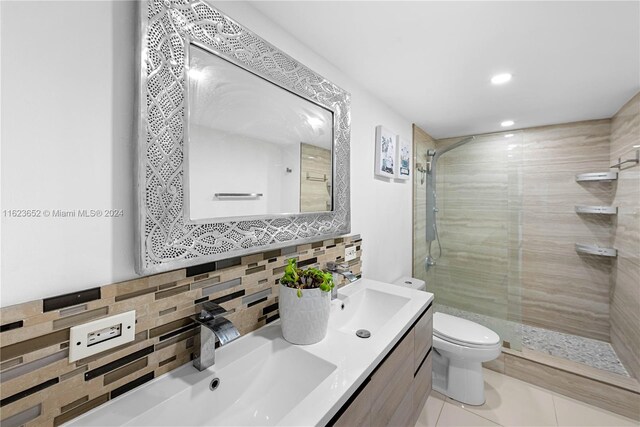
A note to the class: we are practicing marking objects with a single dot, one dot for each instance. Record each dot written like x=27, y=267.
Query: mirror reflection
x=253, y=148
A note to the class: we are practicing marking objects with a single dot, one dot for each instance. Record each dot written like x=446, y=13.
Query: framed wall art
x=403, y=162
x=385, y=152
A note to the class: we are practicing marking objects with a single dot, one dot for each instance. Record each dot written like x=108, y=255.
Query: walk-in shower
x=495, y=229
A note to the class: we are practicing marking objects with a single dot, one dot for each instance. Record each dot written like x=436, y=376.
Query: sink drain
x=363, y=333
x=214, y=384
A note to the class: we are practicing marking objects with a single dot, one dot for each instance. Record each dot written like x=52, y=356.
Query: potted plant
x=304, y=303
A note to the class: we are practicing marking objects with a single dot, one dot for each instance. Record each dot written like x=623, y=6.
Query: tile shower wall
x=625, y=277
x=40, y=387
x=560, y=290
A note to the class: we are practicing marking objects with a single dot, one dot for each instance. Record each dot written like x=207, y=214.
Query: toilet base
x=459, y=379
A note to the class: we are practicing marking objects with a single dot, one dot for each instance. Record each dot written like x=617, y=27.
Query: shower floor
x=595, y=353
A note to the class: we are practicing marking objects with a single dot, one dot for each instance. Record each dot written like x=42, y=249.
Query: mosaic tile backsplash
x=38, y=386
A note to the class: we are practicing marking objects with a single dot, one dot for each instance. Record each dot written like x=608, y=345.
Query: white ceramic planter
x=305, y=319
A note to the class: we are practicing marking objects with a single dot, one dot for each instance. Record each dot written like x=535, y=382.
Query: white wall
x=223, y=163
x=67, y=115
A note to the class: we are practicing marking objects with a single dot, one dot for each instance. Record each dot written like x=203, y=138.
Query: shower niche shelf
x=597, y=176
x=596, y=250
x=601, y=210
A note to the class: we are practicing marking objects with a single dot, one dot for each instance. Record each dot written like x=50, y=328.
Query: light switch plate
x=350, y=253
x=100, y=335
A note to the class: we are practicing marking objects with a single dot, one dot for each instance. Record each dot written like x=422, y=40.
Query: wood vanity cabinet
x=396, y=391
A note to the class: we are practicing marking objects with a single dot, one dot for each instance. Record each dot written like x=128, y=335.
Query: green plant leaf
x=311, y=278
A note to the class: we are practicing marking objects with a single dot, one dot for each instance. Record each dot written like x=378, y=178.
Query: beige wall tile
x=625, y=280
x=17, y=312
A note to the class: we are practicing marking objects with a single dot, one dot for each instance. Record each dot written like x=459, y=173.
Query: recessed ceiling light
x=507, y=123
x=509, y=135
x=499, y=79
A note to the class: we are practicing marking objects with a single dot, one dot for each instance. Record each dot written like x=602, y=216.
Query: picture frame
x=386, y=155
x=403, y=159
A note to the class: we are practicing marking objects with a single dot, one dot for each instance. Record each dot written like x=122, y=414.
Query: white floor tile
x=453, y=416
x=572, y=412
x=431, y=411
x=511, y=402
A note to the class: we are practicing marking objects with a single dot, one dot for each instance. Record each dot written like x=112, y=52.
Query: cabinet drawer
x=422, y=385
x=423, y=337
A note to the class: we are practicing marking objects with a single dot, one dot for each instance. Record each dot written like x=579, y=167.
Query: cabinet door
x=358, y=414
x=424, y=337
x=422, y=386
x=403, y=417
x=391, y=382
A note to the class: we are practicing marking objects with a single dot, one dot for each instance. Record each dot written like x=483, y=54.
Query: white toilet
x=459, y=348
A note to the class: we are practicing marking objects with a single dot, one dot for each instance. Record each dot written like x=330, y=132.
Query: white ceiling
x=432, y=61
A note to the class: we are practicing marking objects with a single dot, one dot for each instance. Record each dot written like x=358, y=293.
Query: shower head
x=430, y=155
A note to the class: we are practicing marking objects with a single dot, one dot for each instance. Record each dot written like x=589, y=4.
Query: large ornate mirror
x=251, y=146
x=240, y=147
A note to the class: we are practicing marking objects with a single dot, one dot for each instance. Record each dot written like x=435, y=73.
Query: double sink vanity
x=260, y=379
x=197, y=66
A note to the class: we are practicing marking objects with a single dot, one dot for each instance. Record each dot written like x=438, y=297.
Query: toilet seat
x=463, y=332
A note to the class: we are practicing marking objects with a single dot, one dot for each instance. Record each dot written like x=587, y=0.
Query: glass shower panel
x=477, y=273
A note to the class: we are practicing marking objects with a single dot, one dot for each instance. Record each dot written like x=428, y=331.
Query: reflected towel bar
x=238, y=195
x=316, y=178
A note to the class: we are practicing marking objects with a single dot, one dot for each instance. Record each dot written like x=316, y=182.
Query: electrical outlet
x=350, y=253
x=100, y=335
x=104, y=334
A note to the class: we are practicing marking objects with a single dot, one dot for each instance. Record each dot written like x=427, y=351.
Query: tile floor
x=511, y=402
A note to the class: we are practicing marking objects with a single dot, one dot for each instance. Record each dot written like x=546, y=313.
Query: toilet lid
x=463, y=331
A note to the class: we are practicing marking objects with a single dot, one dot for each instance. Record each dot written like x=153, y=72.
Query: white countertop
x=264, y=380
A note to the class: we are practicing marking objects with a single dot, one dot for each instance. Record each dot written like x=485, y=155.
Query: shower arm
x=448, y=148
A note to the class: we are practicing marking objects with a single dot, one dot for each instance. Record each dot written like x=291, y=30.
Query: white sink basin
x=368, y=309
x=246, y=390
